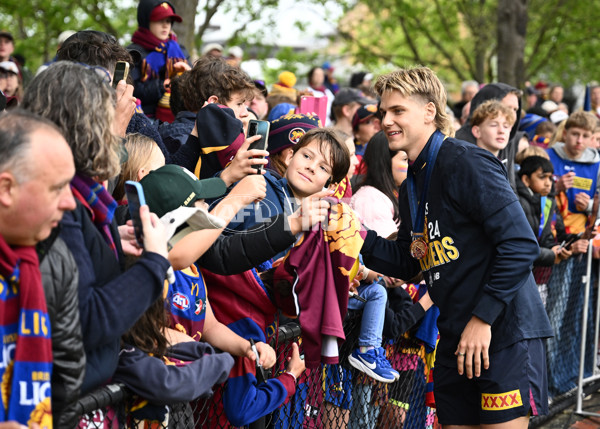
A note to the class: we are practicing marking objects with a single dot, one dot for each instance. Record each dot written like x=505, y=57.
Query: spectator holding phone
x=162, y=57
x=110, y=300
x=534, y=185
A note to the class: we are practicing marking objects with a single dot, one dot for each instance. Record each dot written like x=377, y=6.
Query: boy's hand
x=124, y=109
x=581, y=201
x=250, y=189
x=561, y=254
x=266, y=352
x=242, y=163
x=296, y=365
x=312, y=211
x=565, y=182
x=580, y=246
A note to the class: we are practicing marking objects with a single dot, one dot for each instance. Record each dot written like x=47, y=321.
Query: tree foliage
x=459, y=38
x=36, y=24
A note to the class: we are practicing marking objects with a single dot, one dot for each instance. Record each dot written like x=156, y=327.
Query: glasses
x=100, y=71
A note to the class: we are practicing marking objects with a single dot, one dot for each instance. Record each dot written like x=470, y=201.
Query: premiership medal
x=418, y=248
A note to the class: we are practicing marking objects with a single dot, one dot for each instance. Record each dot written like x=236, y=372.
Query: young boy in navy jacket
x=463, y=227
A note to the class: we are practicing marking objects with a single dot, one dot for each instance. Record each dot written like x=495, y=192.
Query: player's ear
x=430, y=112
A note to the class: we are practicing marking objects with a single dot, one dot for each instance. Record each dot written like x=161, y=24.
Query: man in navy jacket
x=463, y=227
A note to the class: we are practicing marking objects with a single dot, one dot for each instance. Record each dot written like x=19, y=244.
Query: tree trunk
x=512, y=27
x=186, y=29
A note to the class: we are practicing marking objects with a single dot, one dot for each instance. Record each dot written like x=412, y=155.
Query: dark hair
x=260, y=85
x=329, y=138
x=378, y=159
x=178, y=93
x=532, y=163
x=213, y=76
x=94, y=48
x=148, y=332
x=310, y=73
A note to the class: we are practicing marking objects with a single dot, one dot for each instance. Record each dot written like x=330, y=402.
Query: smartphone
x=259, y=128
x=135, y=199
x=567, y=243
x=121, y=72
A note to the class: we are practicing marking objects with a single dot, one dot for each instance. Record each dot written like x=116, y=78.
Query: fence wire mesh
x=333, y=396
x=339, y=396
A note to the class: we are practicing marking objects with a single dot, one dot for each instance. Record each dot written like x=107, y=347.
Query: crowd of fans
x=83, y=302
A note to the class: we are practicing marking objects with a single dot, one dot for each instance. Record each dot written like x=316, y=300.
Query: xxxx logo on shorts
x=501, y=401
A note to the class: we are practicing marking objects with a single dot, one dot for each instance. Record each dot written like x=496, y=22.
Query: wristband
x=288, y=372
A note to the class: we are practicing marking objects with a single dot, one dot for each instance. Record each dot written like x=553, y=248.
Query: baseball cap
x=4, y=33
x=9, y=66
x=162, y=11
x=363, y=113
x=288, y=129
x=171, y=186
x=348, y=95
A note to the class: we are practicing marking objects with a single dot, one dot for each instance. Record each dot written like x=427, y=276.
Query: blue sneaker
x=387, y=363
x=371, y=363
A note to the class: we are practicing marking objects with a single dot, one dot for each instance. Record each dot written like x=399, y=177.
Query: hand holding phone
x=135, y=199
x=120, y=73
x=567, y=243
x=259, y=128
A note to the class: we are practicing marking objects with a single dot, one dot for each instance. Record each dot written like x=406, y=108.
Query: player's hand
x=472, y=353
x=314, y=210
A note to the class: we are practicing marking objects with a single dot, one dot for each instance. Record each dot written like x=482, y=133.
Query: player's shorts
x=337, y=386
x=515, y=385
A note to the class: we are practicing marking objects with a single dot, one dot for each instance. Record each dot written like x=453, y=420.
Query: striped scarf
x=26, y=359
x=100, y=204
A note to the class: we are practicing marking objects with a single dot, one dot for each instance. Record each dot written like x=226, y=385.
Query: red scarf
x=26, y=341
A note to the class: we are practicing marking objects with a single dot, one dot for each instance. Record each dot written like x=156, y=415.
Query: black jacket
x=234, y=254
x=110, y=300
x=533, y=211
x=60, y=281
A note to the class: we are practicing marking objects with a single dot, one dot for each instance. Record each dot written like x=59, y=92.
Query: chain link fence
x=333, y=396
x=339, y=396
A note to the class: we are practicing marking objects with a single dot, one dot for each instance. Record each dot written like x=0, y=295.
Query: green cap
x=172, y=186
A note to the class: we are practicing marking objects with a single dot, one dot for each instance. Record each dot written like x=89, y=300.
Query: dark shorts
x=515, y=385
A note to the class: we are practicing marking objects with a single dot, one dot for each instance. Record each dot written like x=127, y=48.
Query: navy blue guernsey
x=480, y=249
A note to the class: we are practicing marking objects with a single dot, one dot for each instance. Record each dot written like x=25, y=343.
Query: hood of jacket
x=589, y=156
x=492, y=91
